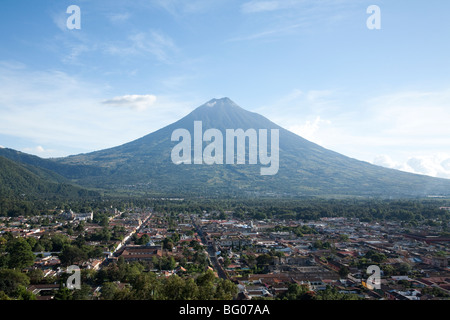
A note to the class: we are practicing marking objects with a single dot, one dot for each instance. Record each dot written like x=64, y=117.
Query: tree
x=38, y=248
x=331, y=293
x=146, y=287
x=32, y=242
x=11, y=280
x=59, y=241
x=4, y=296
x=45, y=242
x=88, y=276
x=95, y=252
x=205, y=284
x=403, y=268
x=124, y=294
x=296, y=292
x=388, y=270
x=104, y=221
x=143, y=240
x=225, y=290
x=20, y=254
x=63, y=294
x=206, y=291
x=174, y=288
x=3, y=253
x=226, y=262
x=264, y=260
x=344, y=271
x=171, y=263
x=80, y=227
x=190, y=290
x=175, y=237
x=131, y=271
x=375, y=256
x=23, y=294
x=82, y=294
x=71, y=255
x=168, y=244
x=36, y=276
x=79, y=241
x=109, y=290
x=318, y=244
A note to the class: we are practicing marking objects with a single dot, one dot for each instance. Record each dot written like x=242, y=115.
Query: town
x=163, y=252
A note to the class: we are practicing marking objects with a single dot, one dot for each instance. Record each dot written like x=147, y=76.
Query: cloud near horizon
x=38, y=150
x=437, y=165
x=409, y=127
x=309, y=129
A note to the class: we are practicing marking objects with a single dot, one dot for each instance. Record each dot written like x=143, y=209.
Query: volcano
x=305, y=168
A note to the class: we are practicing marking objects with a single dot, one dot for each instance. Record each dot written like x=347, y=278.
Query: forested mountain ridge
x=27, y=181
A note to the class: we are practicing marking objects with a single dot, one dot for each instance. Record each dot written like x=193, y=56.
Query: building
x=141, y=253
x=70, y=215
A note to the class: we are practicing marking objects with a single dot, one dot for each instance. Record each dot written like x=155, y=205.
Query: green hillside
x=33, y=182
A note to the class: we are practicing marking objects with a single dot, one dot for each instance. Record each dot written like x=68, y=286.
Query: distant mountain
x=55, y=171
x=305, y=168
x=33, y=182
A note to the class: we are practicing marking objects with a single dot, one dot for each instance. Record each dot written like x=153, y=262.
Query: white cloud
x=272, y=32
x=11, y=64
x=287, y=17
x=60, y=20
x=75, y=51
x=306, y=113
x=119, y=17
x=386, y=161
x=309, y=129
x=2, y=147
x=182, y=7
x=156, y=43
x=36, y=150
x=435, y=165
x=70, y=45
x=255, y=6
x=259, y=6
x=299, y=103
x=413, y=114
x=315, y=95
x=136, y=102
x=446, y=164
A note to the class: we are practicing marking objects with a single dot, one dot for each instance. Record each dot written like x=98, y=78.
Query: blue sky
x=312, y=66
